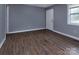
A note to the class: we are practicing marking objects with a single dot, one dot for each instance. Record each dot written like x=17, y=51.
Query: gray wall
x=60, y=21
x=24, y=17
x=2, y=22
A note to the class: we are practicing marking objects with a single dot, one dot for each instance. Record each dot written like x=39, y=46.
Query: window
x=73, y=14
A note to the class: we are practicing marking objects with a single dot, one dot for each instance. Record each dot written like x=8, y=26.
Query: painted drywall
x=2, y=23
x=24, y=17
x=60, y=21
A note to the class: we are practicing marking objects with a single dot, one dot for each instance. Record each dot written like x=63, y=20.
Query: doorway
x=49, y=19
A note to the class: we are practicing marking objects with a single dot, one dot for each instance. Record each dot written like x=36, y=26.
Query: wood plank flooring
x=42, y=42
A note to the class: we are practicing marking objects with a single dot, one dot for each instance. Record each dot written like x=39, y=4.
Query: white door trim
x=7, y=18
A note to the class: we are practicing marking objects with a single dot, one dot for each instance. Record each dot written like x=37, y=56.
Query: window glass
x=74, y=10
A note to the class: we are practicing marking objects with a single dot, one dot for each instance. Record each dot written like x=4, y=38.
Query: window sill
x=74, y=24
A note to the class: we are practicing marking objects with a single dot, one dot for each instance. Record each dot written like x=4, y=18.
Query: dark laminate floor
x=39, y=42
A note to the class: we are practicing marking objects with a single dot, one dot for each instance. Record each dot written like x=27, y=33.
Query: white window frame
x=68, y=17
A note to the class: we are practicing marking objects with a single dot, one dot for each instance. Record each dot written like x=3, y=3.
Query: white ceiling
x=41, y=5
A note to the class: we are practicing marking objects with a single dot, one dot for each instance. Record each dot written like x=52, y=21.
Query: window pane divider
x=74, y=13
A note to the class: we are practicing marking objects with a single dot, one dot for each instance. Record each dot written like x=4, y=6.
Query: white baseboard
x=2, y=42
x=77, y=38
x=25, y=30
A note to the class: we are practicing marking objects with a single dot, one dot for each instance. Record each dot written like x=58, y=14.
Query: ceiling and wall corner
x=41, y=5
